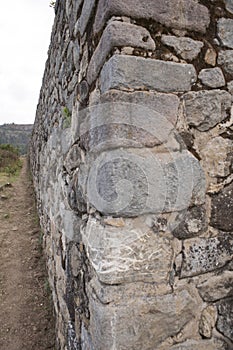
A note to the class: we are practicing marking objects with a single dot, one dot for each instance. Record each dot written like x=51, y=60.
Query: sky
x=25, y=29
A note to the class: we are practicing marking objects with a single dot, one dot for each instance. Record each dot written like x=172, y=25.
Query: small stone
x=217, y=157
x=116, y=222
x=225, y=318
x=131, y=72
x=217, y=287
x=212, y=77
x=187, y=48
x=200, y=105
x=225, y=31
x=210, y=56
x=225, y=59
x=82, y=22
x=222, y=209
x=207, y=321
x=193, y=224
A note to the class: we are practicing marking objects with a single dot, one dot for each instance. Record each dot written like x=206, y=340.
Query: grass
x=10, y=164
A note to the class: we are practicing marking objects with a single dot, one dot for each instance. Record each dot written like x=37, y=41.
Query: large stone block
x=117, y=34
x=137, y=181
x=109, y=125
x=225, y=31
x=212, y=77
x=129, y=72
x=229, y=5
x=185, y=14
x=165, y=105
x=141, y=322
x=128, y=253
x=205, y=109
x=222, y=209
x=205, y=255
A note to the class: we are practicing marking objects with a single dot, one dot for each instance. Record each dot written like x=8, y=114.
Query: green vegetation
x=67, y=118
x=10, y=163
x=17, y=135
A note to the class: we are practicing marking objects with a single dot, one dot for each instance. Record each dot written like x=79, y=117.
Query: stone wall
x=131, y=156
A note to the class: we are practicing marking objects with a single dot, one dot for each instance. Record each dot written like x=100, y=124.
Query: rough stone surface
x=180, y=182
x=82, y=22
x=205, y=255
x=217, y=156
x=229, y=5
x=212, y=77
x=117, y=256
x=187, y=48
x=194, y=16
x=225, y=59
x=222, y=206
x=193, y=224
x=131, y=320
x=201, y=345
x=138, y=73
x=138, y=237
x=205, y=109
x=225, y=318
x=217, y=287
x=225, y=31
x=117, y=34
x=207, y=321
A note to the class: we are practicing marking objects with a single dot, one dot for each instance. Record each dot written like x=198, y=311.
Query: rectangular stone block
x=130, y=72
x=182, y=14
x=205, y=255
x=142, y=322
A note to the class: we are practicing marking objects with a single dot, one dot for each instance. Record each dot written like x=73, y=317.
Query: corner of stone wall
x=131, y=156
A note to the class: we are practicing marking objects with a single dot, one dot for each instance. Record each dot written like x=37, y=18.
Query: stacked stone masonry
x=131, y=156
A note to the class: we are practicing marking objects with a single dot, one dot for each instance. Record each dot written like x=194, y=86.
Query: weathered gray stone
x=207, y=321
x=225, y=317
x=109, y=125
x=229, y=5
x=187, y=48
x=230, y=87
x=225, y=59
x=225, y=31
x=185, y=14
x=122, y=182
x=222, y=209
x=193, y=223
x=117, y=255
x=217, y=287
x=82, y=22
x=165, y=105
x=217, y=157
x=205, y=255
x=205, y=109
x=212, y=77
x=73, y=158
x=132, y=323
x=139, y=73
x=117, y=34
x=213, y=344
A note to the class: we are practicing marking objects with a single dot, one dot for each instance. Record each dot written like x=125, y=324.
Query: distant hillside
x=17, y=135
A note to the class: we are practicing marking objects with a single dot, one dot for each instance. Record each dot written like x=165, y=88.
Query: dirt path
x=26, y=316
